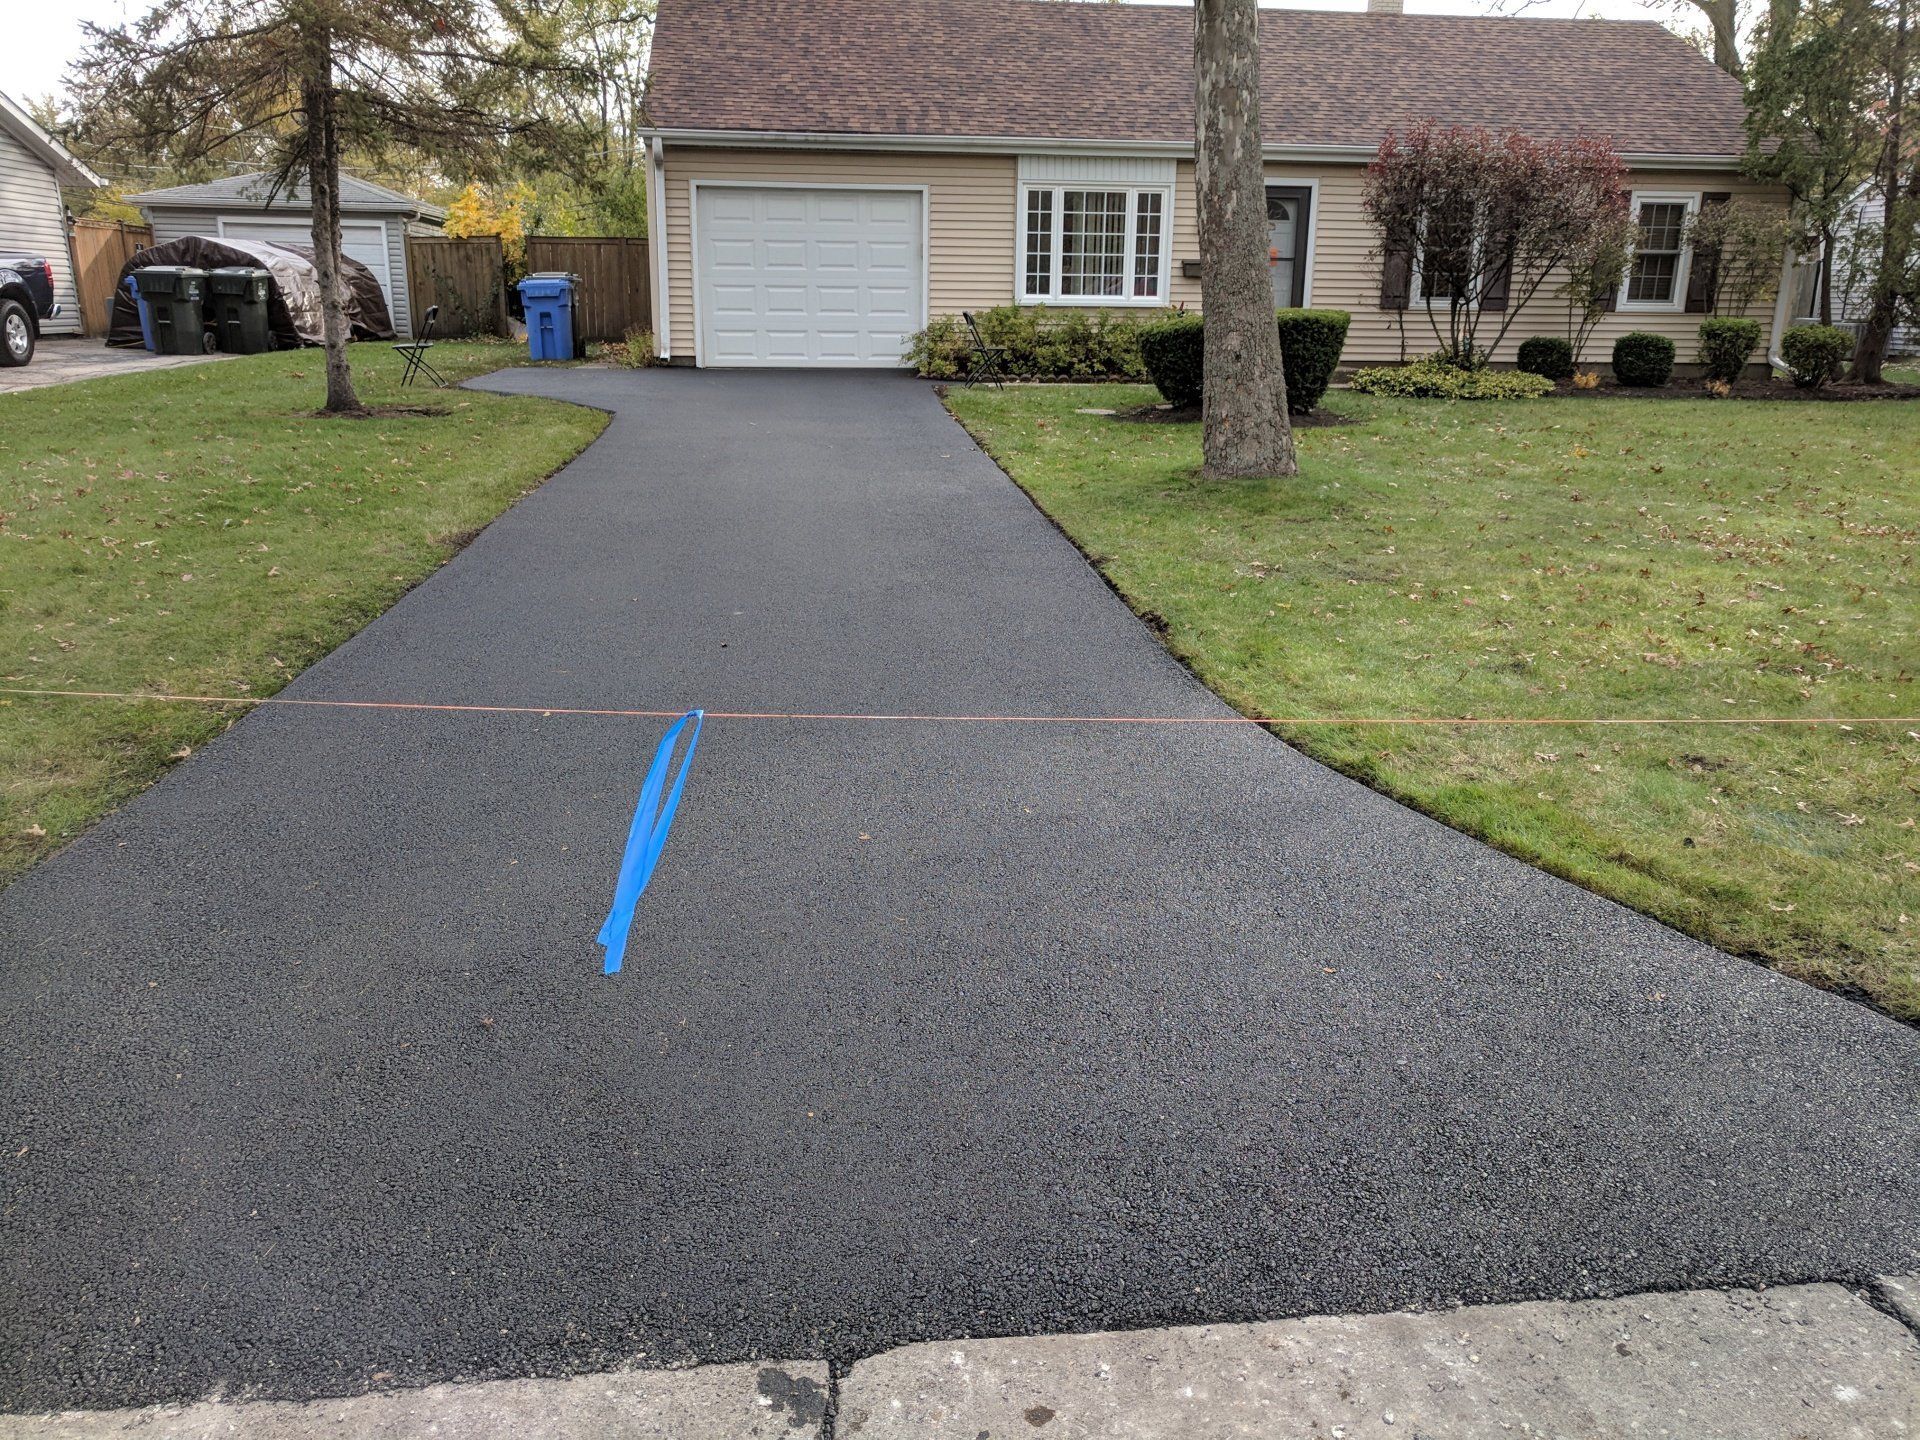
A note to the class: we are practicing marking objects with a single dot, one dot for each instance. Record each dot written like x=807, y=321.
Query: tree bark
x=1244, y=425
x=323, y=186
x=1723, y=19
x=1896, y=239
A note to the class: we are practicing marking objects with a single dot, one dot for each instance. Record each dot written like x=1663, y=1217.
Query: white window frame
x=1682, y=272
x=1127, y=300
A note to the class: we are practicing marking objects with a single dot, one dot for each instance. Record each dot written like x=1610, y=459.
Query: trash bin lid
x=548, y=284
x=181, y=270
x=234, y=279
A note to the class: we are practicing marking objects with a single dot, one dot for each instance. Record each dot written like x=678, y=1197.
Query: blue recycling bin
x=146, y=315
x=548, y=300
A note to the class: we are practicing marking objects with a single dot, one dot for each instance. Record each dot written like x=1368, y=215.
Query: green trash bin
x=237, y=299
x=175, y=295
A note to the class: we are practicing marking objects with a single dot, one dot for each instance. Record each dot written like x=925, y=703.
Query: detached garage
x=374, y=223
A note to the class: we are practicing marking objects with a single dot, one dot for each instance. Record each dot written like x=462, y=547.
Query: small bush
x=635, y=352
x=1548, y=356
x=1433, y=379
x=1065, y=345
x=1642, y=358
x=1725, y=345
x=1310, y=346
x=1814, y=353
x=1171, y=351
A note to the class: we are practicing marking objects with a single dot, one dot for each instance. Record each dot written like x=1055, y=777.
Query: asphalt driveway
x=926, y=1030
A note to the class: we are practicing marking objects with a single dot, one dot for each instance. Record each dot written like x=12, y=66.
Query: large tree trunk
x=1723, y=19
x=1896, y=239
x=1244, y=427
x=323, y=184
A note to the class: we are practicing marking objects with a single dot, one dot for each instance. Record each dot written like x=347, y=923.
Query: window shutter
x=1610, y=300
x=1493, y=295
x=1704, y=263
x=1396, y=278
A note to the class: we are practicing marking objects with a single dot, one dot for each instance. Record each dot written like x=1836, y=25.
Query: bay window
x=1093, y=245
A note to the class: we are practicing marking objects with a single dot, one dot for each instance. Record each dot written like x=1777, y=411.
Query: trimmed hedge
x=1642, y=358
x=1310, y=346
x=1725, y=346
x=1040, y=345
x=1548, y=356
x=1434, y=380
x=1814, y=352
x=1171, y=351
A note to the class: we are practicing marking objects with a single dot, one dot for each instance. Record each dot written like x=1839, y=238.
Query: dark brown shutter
x=1493, y=295
x=1700, y=272
x=1610, y=300
x=1396, y=278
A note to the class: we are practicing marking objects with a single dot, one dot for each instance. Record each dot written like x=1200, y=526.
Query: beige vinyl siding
x=973, y=242
x=970, y=204
x=33, y=221
x=1346, y=271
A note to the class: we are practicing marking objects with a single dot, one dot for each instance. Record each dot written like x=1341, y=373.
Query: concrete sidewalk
x=1804, y=1362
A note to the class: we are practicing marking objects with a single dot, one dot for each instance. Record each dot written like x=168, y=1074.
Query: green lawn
x=202, y=531
x=1562, y=558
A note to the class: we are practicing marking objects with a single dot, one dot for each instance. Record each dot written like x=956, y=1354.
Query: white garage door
x=362, y=240
x=808, y=276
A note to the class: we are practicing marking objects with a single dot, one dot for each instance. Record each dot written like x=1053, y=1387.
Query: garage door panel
x=798, y=276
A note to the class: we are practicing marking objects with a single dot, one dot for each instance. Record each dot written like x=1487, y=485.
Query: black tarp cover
x=293, y=299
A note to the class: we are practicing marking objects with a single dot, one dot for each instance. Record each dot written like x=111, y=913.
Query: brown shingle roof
x=1042, y=69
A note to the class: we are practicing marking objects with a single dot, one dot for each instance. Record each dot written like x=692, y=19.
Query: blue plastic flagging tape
x=648, y=836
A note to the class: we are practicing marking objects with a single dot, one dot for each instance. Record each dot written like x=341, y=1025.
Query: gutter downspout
x=1780, y=303
x=657, y=245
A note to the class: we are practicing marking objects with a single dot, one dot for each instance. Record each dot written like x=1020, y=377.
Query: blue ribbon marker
x=647, y=838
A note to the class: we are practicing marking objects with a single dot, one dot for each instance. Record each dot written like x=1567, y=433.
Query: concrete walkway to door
x=928, y=1029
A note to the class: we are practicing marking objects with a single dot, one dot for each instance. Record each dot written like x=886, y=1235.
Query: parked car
x=26, y=298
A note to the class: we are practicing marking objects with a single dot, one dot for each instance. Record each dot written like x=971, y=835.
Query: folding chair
x=416, y=351
x=987, y=362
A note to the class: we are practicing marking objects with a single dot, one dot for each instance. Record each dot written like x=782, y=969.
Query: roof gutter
x=1031, y=144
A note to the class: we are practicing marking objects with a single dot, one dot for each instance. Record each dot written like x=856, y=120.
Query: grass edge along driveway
x=203, y=531
x=1565, y=559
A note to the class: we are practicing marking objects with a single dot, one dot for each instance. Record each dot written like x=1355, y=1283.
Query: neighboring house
x=374, y=222
x=33, y=217
x=1853, y=284
x=826, y=174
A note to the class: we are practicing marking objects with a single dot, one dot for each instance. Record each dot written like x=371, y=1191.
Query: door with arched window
x=1288, y=221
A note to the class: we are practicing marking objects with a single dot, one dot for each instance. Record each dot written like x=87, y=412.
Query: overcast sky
x=43, y=36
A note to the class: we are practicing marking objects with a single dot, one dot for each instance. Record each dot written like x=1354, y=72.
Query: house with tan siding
x=826, y=175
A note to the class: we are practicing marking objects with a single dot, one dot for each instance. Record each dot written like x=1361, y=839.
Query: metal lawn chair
x=416, y=349
x=987, y=362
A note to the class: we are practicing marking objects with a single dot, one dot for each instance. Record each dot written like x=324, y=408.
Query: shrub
x=635, y=352
x=1067, y=345
x=1548, y=356
x=1310, y=346
x=1642, y=358
x=1430, y=379
x=1171, y=351
x=1725, y=344
x=1814, y=352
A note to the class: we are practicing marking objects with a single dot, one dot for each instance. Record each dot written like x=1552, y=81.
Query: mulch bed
x=1696, y=389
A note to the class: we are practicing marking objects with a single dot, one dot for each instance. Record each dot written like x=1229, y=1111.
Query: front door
x=1287, y=222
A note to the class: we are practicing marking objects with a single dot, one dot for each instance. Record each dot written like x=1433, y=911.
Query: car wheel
x=16, y=333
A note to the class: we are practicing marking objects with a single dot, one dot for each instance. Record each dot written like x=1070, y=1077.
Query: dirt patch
x=1190, y=415
x=382, y=412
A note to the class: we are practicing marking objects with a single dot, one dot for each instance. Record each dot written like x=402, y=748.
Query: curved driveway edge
x=926, y=1029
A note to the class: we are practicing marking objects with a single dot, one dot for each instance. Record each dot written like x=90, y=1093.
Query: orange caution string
x=910, y=717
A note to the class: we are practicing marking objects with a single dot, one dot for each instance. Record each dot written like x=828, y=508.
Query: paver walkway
x=926, y=1030
x=60, y=361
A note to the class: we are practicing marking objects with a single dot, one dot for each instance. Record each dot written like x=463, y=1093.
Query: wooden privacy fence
x=467, y=279
x=613, y=297
x=101, y=249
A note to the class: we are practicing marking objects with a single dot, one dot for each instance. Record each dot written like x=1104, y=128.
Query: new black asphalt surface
x=312, y=1081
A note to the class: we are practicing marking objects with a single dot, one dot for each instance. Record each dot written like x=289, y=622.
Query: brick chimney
x=1386, y=7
